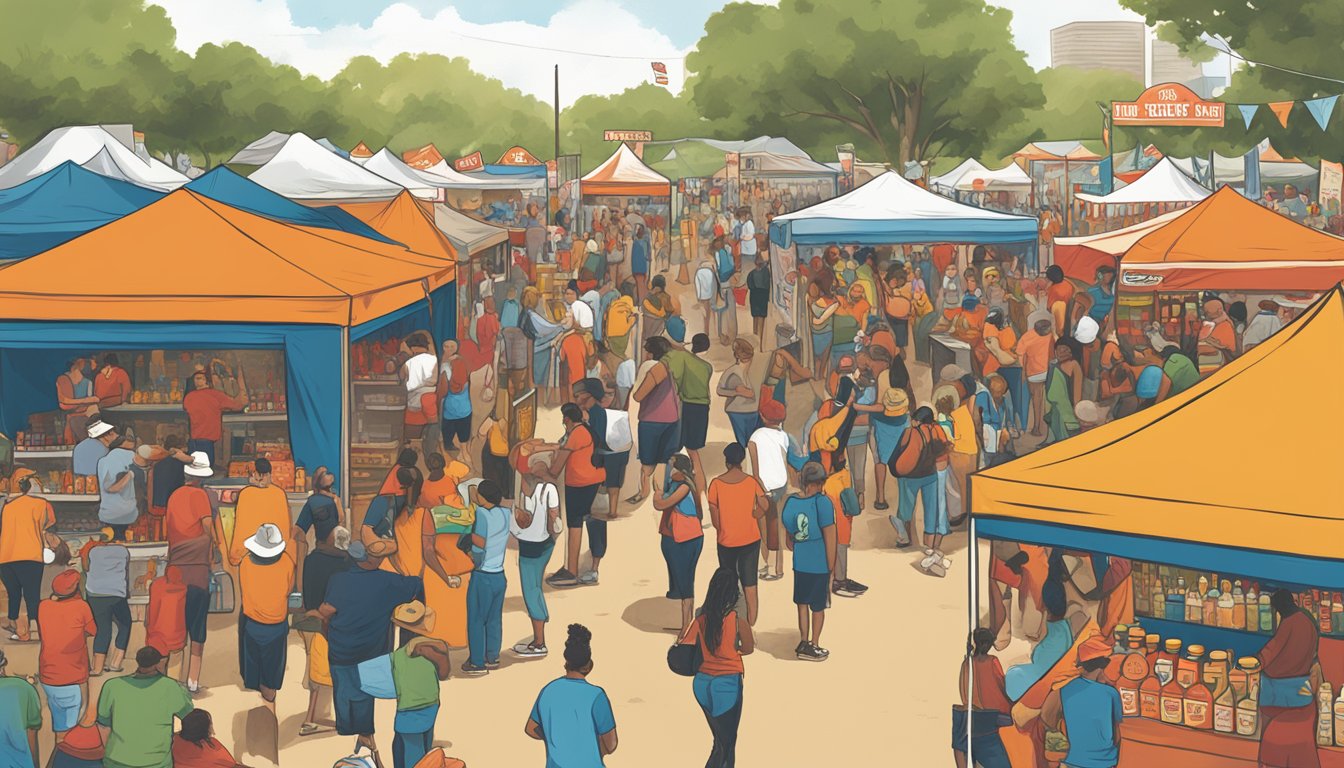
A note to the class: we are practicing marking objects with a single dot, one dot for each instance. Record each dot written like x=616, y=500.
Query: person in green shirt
x=417, y=669
x=691, y=372
x=135, y=713
x=20, y=719
x=1180, y=369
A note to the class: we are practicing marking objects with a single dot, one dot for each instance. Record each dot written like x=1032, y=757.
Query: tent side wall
x=33, y=354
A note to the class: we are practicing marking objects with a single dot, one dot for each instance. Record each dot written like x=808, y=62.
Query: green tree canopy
x=1070, y=110
x=646, y=107
x=904, y=81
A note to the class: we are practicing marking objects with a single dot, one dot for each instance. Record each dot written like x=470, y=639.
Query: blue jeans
x=1017, y=388
x=720, y=698
x=909, y=488
x=743, y=425
x=485, y=616
x=935, y=514
x=531, y=571
x=414, y=737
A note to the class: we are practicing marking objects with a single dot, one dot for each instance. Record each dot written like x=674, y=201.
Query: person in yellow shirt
x=263, y=502
x=619, y=321
x=965, y=454
x=25, y=530
x=265, y=579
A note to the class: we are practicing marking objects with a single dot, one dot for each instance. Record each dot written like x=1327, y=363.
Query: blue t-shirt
x=457, y=405
x=1091, y=715
x=1101, y=303
x=492, y=523
x=804, y=519
x=86, y=456
x=319, y=503
x=993, y=415
x=364, y=601
x=572, y=714
x=639, y=257
x=1149, y=382
x=21, y=712
x=725, y=264
x=116, y=508
x=509, y=314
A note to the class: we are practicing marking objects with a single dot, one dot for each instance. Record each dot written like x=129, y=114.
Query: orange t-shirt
x=836, y=483
x=265, y=588
x=188, y=514
x=113, y=387
x=736, y=503
x=256, y=507
x=166, y=618
x=22, y=524
x=725, y=659
x=1034, y=350
x=205, y=412
x=65, y=626
x=1007, y=341
x=579, y=469
x=573, y=353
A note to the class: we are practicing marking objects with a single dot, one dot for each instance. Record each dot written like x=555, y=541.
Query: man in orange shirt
x=190, y=522
x=1217, y=338
x=582, y=482
x=1058, y=296
x=165, y=618
x=259, y=503
x=1035, y=349
x=205, y=407
x=65, y=624
x=574, y=359
x=265, y=579
x=111, y=385
x=737, y=502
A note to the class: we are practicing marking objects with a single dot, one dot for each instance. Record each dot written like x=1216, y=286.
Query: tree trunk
x=914, y=103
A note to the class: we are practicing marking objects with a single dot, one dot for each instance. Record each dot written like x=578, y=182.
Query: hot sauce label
x=1196, y=713
x=1171, y=710
x=1149, y=706
x=1223, y=720
x=1246, y=721
x=1129, y=702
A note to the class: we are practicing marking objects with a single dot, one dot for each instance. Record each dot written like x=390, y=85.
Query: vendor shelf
x=56, y=453
x=87, y=498
x=1153, y=743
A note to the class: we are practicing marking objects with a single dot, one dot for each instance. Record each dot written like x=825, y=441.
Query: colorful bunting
x=1281, y=110
x=1321, y=109
x=1248, y=113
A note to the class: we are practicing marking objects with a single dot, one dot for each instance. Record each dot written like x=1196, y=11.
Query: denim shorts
x=64, y=702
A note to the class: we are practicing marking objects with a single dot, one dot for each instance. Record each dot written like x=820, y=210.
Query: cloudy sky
x=517, y=41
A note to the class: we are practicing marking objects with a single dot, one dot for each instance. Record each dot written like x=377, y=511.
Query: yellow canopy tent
x=1238, y=474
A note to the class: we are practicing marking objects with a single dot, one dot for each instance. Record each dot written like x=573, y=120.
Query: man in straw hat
x=417, y=669
x=64, y=622
x=1089, y=708
x=266, y=577
x=358, y=610
x=190, y=522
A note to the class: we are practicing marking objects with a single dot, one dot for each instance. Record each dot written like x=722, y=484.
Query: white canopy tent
x=82, y=145
x=1010, y=177
x=390, y=167
x=444, y=176
x=302, y=169
x=948, y=181
x=1163, y=183
x=467, y=235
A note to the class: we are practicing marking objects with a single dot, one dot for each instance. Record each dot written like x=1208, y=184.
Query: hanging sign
x=472, y=162
x=627, y=135
x=518, y=156
x=1169, y=104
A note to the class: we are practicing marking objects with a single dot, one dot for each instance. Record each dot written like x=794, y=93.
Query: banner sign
x=518, y=156
x=1169, y=104
x=659, y=73
x=472, y=162
x=627, y=135
x=1332, y=185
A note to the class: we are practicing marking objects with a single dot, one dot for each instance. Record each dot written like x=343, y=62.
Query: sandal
x=773, y=576
x=114, y=669
x=881, y=506
x=636, y=500
x=308, y=729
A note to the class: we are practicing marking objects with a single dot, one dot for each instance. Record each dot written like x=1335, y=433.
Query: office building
x=1114, y=45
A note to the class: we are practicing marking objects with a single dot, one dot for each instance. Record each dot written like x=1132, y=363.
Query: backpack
x=916, y=461
x=384, y=509
x=849, y=503
x=619, y=438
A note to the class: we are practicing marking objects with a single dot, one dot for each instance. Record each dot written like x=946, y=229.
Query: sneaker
x=799, y=650
x=811, y=652
x=929, y=558
x=562, y=578
x=937, y=569
x=492, y=664
x=842, y=589
x=529, y=650
x=902, y=540
x=588, y=579
x=856, y=587
x=471, y=670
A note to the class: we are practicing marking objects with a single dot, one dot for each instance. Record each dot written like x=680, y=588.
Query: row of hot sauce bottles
x=1211, y=689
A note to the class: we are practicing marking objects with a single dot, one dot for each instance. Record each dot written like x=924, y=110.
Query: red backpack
x=917, y=458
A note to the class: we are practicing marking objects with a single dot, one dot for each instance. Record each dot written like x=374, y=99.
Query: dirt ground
x=882, y=698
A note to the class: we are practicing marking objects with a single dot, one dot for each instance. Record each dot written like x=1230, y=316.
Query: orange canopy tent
x=361, y=151
x=1080, y=256
x=1053, y=150
x=190, y=258
x=404, y=220
x=1228, y=242
x=625, y=174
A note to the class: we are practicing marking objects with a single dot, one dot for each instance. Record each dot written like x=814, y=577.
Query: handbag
x=849, y=503
x=676, y=327
x=685, y=658
x=619, y=437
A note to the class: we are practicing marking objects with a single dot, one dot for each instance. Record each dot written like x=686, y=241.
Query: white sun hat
x=199, y=466
x=266, y=542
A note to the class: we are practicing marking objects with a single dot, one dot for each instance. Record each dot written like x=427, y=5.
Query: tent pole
x=345, y=420
x=973, y=619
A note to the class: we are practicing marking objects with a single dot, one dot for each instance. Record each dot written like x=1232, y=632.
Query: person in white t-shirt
x=625, y=381
x=580, y=314
x=534, y=525
x=769, y=450
x=746, y=235
x=706, y=289
x=420, y=373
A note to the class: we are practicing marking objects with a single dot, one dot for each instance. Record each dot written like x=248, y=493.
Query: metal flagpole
x=973, y=619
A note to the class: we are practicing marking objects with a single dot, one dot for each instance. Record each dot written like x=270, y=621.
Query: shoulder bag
x=684, y=658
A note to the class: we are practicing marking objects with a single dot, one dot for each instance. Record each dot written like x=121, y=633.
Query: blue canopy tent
x=889, y=211
x=235, y=190
x=60, y=205
x=193, y=273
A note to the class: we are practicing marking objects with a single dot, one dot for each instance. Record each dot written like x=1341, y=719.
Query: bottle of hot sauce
x=1172, y=703
x=1150, y=697
x=1197, y=705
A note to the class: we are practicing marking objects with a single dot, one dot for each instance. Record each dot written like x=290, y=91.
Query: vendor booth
x=1080, y=256
x=1006, y=189
x=1226, y=243
x=199, y=285
x=946, y=183
x=1180, y=492
x=624, y=186
x=60, y=205
x=888, y=210
x=227, y=187
x=1160, y=190
x=778, y=184
x=1057, y=169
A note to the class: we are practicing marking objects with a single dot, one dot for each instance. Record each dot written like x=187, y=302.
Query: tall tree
x=646, y=107
x=907, y=80
x=1070, y=110
x=1302, y=35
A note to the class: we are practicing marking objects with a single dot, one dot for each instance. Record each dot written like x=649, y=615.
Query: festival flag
x=1281, y=110
x=1248, y=113
x=1321, y=109
x=660, y=73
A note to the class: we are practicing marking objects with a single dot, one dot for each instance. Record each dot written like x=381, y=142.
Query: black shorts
x=694, y=425
x=812, y=590
x=657, y=442
x=579, y=503
x=681, y=558
x=742, y=560
x=261, y=653
x=198, y=610
x=459, y=428
x=615, y=464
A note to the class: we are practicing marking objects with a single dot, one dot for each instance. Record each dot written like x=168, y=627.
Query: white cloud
x=594, y=26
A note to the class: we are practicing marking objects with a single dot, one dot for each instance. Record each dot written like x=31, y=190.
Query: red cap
x=66, y=583
x=83, y=742
x=772, y=410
